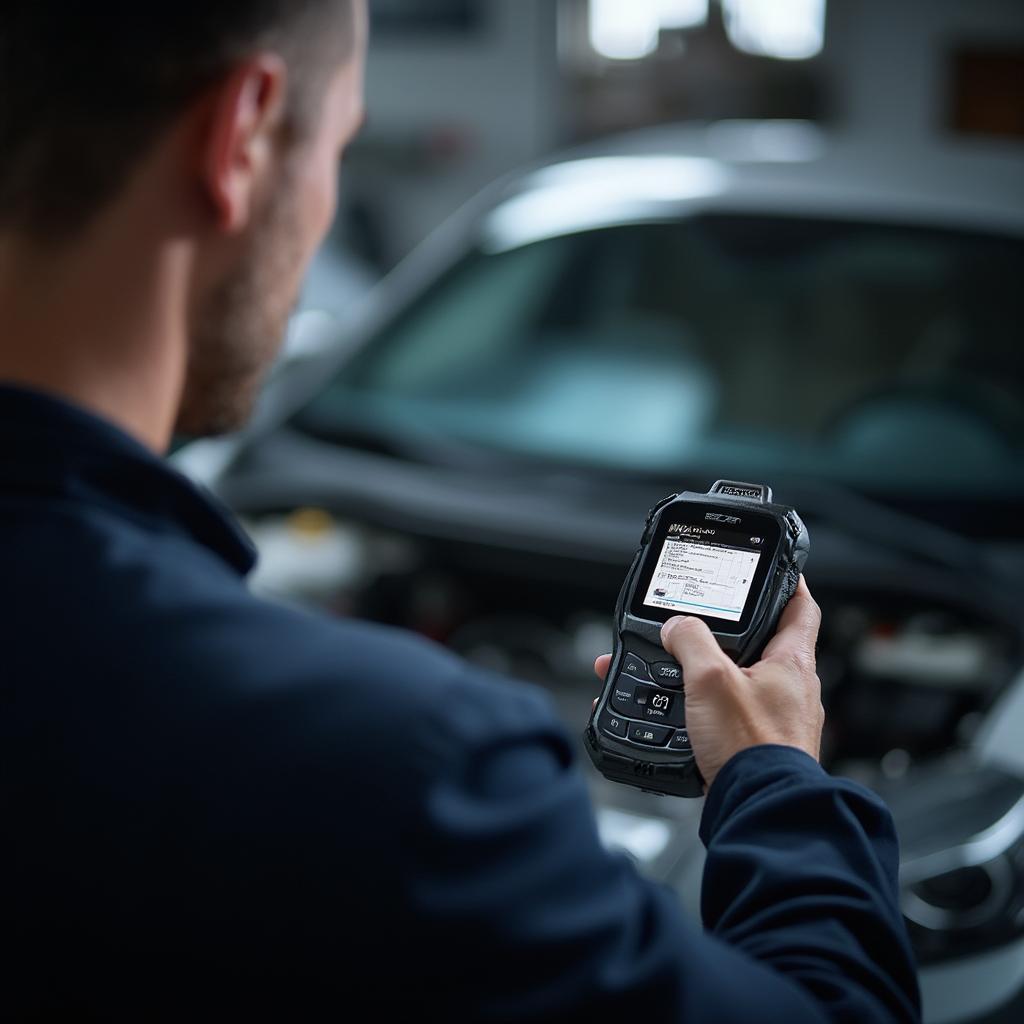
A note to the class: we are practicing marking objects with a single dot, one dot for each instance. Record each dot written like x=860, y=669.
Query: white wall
x=886, y=60
x=500, y=86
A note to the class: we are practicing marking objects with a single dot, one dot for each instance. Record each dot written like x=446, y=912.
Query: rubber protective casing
x=659, y=770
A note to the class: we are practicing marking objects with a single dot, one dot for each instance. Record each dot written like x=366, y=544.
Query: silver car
x=753, y=301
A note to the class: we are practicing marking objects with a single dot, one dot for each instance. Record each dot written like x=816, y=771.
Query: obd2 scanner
x=731, y=557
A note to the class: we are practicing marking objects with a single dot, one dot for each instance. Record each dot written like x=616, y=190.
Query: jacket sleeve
x=801, y=875
x=524, y=915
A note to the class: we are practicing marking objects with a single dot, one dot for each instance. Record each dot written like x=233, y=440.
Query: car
x=474, y=456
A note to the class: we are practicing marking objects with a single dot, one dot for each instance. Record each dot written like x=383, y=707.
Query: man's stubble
x=239, y=331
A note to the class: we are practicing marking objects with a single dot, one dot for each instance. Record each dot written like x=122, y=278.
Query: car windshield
x=868, y=354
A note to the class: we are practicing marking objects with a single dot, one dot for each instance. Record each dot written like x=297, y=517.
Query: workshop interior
x=593, y=253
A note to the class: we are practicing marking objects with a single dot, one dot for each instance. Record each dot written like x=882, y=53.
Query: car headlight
x=962, y=859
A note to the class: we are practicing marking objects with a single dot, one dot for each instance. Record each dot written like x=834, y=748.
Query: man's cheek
x=329, y=200
x=321, y=194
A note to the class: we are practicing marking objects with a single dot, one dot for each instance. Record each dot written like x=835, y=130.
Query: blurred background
x=592, y=252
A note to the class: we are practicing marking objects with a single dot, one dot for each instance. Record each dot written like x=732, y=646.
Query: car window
x=863, y=352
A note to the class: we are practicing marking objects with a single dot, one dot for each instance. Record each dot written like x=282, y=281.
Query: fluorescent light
x=624, y=29
x=682, y=13
x=628, y=29
x=788, y=29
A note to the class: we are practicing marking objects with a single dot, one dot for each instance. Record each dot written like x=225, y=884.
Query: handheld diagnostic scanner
x=731, y=557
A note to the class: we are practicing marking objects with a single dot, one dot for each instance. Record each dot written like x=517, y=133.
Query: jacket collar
x=53, y=448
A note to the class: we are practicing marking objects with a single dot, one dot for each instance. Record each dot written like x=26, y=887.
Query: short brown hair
x=87, y=88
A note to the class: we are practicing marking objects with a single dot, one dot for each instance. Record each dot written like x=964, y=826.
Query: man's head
x=238, y=108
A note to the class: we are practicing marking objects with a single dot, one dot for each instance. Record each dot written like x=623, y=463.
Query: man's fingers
x=798, y=628
x=692, y=644
x=601, y=666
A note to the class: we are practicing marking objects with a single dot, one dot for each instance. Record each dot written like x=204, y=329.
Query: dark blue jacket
x=212, y=804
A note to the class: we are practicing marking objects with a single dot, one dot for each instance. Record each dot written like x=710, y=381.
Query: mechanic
x=215, y=804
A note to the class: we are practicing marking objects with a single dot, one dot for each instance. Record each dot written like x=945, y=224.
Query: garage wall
x=888, y=60
x=496, y=94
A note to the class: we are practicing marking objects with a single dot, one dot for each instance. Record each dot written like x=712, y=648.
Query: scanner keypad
x=646, y=705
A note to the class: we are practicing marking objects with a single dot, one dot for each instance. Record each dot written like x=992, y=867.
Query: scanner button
x=634, y=666
x=668, y=673
x=649, y=735
x=680, y=741
x=622, y=697
x=660, y=705
x=612, y=724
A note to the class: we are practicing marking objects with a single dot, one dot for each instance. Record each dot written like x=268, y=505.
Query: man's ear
x=244, y=115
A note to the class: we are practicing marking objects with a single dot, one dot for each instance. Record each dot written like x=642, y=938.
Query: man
x=212, y=804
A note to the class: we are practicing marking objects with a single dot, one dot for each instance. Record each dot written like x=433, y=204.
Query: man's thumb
x=693, y=645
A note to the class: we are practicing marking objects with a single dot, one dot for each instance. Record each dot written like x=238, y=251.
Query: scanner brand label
x=692, y=531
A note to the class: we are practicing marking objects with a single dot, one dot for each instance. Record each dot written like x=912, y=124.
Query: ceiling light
x=788, y=29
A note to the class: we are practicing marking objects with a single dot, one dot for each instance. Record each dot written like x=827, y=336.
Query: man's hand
x=728, y=709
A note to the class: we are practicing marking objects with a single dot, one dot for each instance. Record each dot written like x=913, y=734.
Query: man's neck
x=100, y=323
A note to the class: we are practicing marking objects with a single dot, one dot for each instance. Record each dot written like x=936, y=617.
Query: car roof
x=764, y=167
